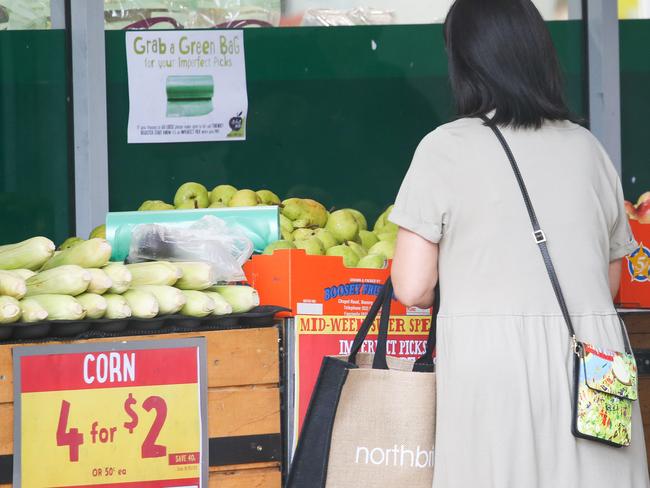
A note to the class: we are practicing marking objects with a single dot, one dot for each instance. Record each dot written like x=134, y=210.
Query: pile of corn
x=39, y=283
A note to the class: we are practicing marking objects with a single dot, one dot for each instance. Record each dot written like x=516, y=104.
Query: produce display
x=304, y=224
x=639, y=211
x=78, y=282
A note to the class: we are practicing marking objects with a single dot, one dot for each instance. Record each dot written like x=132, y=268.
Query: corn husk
x=94, y=304
x=60, y=307
x=222, y=307
x=120, y=276
x=196, y=275
x=198, y=304
x=100, y=283
x=93, y=253
x=143, y=304
x=241, y=298
x=116, y=307
x=22, y=273
x=29, y=254
x=64, y=280
x=32, y=311
x=154, y=273
x=170, y=299
x=12, y=285
x=9, y=310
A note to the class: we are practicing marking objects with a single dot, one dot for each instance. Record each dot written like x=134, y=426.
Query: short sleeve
x=422, y=204
x=621, y=239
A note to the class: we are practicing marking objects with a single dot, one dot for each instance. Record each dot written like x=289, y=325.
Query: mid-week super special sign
x=318, y=336
x=111, y=415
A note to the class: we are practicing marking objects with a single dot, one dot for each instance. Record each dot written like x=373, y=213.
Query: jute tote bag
x=371, y=418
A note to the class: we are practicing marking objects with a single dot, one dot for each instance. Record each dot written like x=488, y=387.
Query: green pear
x=388, y=228
x=267, y=197
x=358, y=248
x=217, y=204
x=98, y=232
x=302, y=234
x=343, y=226
x=368, y=239
x=222, y=194
x=188, y=205
x=244, y=198
x=304, y=212
x=70, y=242
x=282, y=244
x=286, y=228
x=155, y=205
x=350, y=258
x=382, y=220
x=387, y=236
x=326, y=238
x=375, y=261
x=384, y=248
x=313, y=246
x=194, y=192
x=361, y=220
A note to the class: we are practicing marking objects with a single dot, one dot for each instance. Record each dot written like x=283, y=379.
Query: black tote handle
x=383, y=301
x=425, y=362
x=368, y=321
x=379, y=359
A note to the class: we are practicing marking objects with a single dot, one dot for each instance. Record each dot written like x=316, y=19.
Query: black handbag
x=605, y=381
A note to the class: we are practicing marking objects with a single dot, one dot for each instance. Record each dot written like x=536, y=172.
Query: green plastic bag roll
x=187, y=87
x=189, y=96
x=188, y=108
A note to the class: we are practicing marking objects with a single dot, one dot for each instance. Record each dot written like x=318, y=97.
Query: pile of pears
x=306, y=224
x=193, y=195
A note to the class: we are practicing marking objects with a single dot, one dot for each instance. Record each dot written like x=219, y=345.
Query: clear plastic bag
x=190, y=14
x=24, y=14
x=357, y=16
x=208, y=239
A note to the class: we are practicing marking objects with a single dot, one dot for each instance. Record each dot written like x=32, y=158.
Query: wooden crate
x=243, y=372
x=638, y=326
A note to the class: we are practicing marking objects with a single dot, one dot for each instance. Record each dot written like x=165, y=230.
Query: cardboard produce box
x=328, y=303
x=635, y=279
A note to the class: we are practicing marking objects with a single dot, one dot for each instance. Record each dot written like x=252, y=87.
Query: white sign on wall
x=186, y=86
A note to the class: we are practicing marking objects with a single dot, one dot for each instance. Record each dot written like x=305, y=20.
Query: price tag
x=111, y=414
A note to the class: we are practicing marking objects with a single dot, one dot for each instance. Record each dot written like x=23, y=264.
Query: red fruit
x=630, y=209
x=643, y=212
x=643, y=198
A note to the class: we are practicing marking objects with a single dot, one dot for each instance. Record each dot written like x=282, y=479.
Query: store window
x=25, y=14
x=634, y=9
x=201, y=14
x=354, y=12
x=191, y=14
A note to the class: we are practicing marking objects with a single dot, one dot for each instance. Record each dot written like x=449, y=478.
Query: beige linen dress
x=504, y=364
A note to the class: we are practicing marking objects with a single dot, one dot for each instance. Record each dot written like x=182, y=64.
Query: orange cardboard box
x=635, y=279
x=328, y=303
x=318, y=285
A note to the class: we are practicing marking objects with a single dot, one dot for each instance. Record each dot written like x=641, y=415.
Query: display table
x=244, y=404
x=638, y=326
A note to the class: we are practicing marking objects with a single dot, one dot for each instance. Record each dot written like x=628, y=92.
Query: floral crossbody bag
x=605, y=382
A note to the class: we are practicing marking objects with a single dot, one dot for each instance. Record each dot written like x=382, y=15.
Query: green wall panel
x=635, y=106
x=334, y=113
x=34, y=187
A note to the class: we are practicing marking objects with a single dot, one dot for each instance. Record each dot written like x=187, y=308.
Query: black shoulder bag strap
x=540, y=239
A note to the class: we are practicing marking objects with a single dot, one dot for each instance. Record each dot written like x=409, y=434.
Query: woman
x=504, y=358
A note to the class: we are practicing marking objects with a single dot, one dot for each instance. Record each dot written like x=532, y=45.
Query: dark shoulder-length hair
x=502, y=58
